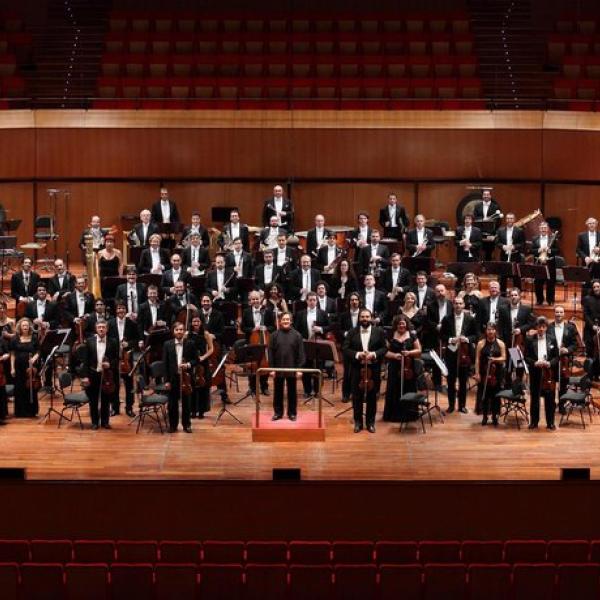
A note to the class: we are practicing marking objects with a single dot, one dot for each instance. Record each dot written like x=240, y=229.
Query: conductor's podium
x=309, y=425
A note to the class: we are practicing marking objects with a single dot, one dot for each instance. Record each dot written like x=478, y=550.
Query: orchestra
x=360, y=290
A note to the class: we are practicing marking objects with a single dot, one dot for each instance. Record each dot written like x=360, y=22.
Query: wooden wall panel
x=17, y=199
x=571, y=155
x=17, y=154
x=573, y=204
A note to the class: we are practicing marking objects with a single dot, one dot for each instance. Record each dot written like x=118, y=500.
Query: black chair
x=578, y=395
x=73, y=401
x=43, y=233
x=157, y=370
x=513, y=402
x=413, y=407
x=153, y=406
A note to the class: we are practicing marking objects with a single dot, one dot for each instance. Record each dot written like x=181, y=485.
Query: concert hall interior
x=290, y=270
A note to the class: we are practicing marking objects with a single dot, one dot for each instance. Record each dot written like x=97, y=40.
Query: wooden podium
x=309, y=426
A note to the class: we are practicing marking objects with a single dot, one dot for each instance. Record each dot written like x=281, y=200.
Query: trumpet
x=419, y=251
x=226, y=241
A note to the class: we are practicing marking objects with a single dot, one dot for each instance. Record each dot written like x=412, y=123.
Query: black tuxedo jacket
x=121, y=294
x=401, y=217
x=345, y=322
x=311, y=240
x=203, y=257
x=50, y=315
x=166, y=283
x=433, y=312
x=296, y=281
x=130, y=334
x=476, y=240
x=518, y=240
x=71, y=309
x=290, y=256
x=139, y=232
x=211, y=282
x=469, y=328
x=301, y=325
x=157, y=213
x=429, y=296
x=484, y=317
x=265, y=232
x=386, y=282
x=356, y=232
x=215, y=323
x=144, y=318
x=189, y=355
x=322, y=255
x=145, y=264
x=330, y=305
x=90, y=355
x=17, y=286
x=553, y=251
x=269, y=211
x=267, y=318
x=353, y=344
x=569, y=339
x=247, y=263
x=525, y=321
x=68, y=284
x=478, y=210
x=379, y=302
x=531, y=355
x=260, y=276
x=583, y=249
x=412, y=242
x=204, y=236
x=173, y=305
x=366, y=254
x=244, y=235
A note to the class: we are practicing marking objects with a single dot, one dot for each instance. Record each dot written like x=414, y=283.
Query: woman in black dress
x=24, y=354
x=490, y=357
x=204, y=347
x=274, y=300
x=344, y=281
x=110, y=262
x=404, y=346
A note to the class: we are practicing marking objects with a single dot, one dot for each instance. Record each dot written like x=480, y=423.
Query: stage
x=459, y=449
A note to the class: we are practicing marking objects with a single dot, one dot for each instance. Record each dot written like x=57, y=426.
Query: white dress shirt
x=369, y=298
x=392, y=214
x=100, y=352
x=165, y=209
x=306, y=279
x=179, y=352
x=559, y=331
x=268, y=273
x=542, y=348
x=80, y=304
x=121, y=328
x=365, y=337
x=220, y=279
x=311, y=317
x=493, y=309
x=132, y=299
x=155, y=254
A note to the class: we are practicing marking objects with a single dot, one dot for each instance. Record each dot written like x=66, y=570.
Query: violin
x=464, y=355
x=260, y=337
x=366, y=383
x=547, y=379
x=33, y=379
x=125, y=362
x=108, y=383
x=186, y=382
x=409, y=371
x=565, y=367
x=492, y=373
x=199, y=376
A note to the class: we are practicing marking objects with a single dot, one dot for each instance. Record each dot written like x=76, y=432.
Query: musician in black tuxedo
x=457, y=330
x=468, y=241
x=328, y=253
x=234, y=229
x=311, y=322
x=79, y=303
x=544, y=249
x=165, y=210
x=23, y=283
x=98, y=315
x=374, y=256
x=374, y=300
x=317, y=237
x=304, y=279
x=280, y=207
x=98, y=234
x=182, y=298
x=256, y=318
x=125, y=332
x=195, y=257
x=588, y=245
x=395, y=276
x=424, y=294
x=154, y=259
x=284, y=256
x=152, y=312
x=196, y=227
x=516, y=318
x=233, y=258
x=566, y=335
x=41, y=311
x=365, y=344
x=419, y=241
x=541, y=352
x=131, y=293
x=178, y=355
x=361, y=234
x=220, y=282
x=487, y=210
x=493, y=308
x=140, y=234
x=511, y=242
x=171, y=276
x=269, y=234
x=325, y=302
x=61, y=283
x=349, y=320
x=213, y=319
x=100, y=360
x=393, y=218
x=267, y=272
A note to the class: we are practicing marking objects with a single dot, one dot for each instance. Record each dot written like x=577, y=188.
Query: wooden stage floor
x=458, y=449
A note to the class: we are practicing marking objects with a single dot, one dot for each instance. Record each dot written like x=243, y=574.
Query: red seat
x=221, y=582
x=310, y=581
x=86, y=581
x=223, y=552
x=179, y=552
x=9, y=581
x=444, y=581
x=570, y=551
x=14, y=551
x=481, y=552
x=266, y=582
x=396, y=553
x=489, y=582
x=400, y=581
x=577, y=581
x=310, y=553
x=352, y=553
x=525, y=551
x=176, y=582
x=42, y=581
x=93, y=551
x=439, y=552
x=51, y=551
x=355, y=581
x=266, y=552
x=533, y=581
x=132, y=581
x=137, y=552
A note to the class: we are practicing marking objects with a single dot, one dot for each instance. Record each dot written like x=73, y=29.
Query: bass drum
x=467, y=206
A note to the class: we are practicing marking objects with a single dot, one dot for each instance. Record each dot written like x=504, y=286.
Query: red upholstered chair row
x=123, y=581
x=560, y=44
x=299, y=552
x=578, y=23
x=259, y=65
x=285, y=21
x=297, y=43
x=582, y=89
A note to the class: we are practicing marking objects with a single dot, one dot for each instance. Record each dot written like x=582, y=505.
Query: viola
x=366, y=383
x=33, y=380
x=409, y=371
x=464, y=355
x=125, y=362
x=108, y=382
x=186, y=382
x=565, y=367
x=547, y=379
x=199, y=376
x=492, y=374
x=260, y=337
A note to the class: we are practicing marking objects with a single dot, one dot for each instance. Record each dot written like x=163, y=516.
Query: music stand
x=8, y=244
x=418, y=263
x=534, y=273
x=53, y=341
x=253, y=355
x=197, y=285
x=150, y=279
x=581, y=275
x=460, y=269
x=316, y=353
x=110, y=285
x=244, y=285
x=168, y=231
x=499, y=268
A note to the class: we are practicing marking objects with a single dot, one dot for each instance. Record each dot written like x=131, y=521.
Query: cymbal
x=33, y=246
